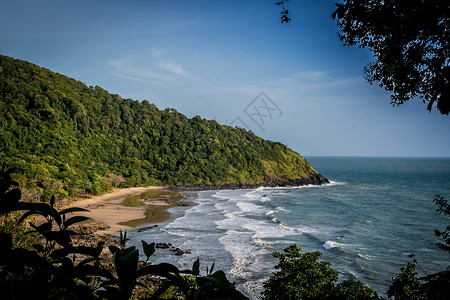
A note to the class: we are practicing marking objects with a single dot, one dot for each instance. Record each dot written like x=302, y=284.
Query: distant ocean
x=375, y=212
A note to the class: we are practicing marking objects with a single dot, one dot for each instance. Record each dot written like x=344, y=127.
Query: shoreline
x=112, y=209
x=314, y=179
x=125, y=208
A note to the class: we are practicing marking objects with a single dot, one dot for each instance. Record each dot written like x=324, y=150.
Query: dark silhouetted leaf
x=39, y=247
x=149, y=249
x=114, y=249
x=75, y=219
x=196, y=267
x=72, y=209
x=52, y=200
x=126, y=265
x=10, y=199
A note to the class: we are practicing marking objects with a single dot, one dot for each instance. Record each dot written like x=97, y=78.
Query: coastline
x=313, y=179
x=112, y=210
x=127, y=208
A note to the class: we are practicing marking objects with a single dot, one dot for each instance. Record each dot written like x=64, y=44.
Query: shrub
x=303, y=276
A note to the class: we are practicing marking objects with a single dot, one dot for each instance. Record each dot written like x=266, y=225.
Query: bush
x=303, y=276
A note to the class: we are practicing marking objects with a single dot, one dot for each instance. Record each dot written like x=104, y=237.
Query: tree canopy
x=410, y=43
x=70, y=139
x=304, y=276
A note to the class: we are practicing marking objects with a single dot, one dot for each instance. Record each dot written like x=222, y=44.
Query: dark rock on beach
x=146, y=228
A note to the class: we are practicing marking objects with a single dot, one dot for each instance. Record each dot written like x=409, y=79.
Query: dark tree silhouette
x=410, y=43
x=284, y=12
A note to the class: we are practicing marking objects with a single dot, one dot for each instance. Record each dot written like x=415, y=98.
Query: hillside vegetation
x=71, y=139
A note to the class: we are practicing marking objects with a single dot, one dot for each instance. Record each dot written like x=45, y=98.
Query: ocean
x=373, y=214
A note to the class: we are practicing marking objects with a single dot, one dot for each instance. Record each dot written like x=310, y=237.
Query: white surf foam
x=328, y=245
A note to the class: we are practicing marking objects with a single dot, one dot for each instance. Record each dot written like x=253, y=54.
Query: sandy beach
x=123, y=209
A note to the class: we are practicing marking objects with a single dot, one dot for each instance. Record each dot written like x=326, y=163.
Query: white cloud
x=150, y=68
x=124, y=68
x=313, y=75
x=173, y=68
x=312, y=81
x=137, y=79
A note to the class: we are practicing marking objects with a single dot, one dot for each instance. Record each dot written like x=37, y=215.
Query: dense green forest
x=71, y=139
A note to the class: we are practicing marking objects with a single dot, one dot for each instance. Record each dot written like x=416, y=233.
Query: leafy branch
x=284, y=12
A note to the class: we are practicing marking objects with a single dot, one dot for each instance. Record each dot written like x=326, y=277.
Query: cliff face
x=72, y=139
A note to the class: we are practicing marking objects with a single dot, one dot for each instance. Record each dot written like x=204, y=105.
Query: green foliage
x=300, y=276
x=71, y=139
x=20, y=239
x=353, y=289
x=50, y=270
x=303, y=276
x=409, y=285
x=410, y=43
x=444, y=208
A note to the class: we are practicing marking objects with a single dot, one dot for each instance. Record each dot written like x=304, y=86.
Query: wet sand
x=126, y=208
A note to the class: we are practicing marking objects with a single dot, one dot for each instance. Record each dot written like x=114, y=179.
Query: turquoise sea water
x=374, y=213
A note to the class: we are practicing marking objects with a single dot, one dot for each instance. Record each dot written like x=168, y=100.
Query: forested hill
x=72, y=139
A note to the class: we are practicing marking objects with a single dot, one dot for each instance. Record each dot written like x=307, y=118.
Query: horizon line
x=376, y=156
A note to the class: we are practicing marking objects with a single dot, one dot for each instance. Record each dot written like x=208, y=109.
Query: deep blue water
x=374, y=213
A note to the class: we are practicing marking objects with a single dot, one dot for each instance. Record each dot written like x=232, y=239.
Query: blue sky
x=214, y=58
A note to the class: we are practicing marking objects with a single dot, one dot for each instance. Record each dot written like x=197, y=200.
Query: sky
x=231, y=61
